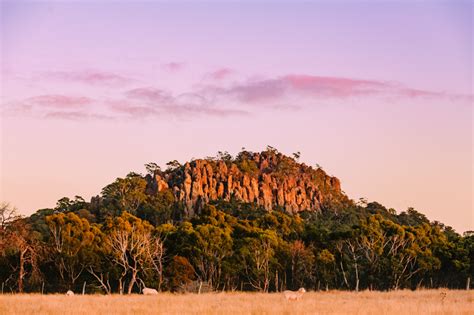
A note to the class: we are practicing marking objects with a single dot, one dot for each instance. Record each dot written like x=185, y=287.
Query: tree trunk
x=132, y=282
x=276, y=281
x=104, y=283
x=418, y=286
x=357, y=277
x=344, y=276
x=468, y=283
x=21, y=273
x=160, y=275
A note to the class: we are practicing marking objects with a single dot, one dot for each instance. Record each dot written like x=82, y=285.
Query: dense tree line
x=127, y=238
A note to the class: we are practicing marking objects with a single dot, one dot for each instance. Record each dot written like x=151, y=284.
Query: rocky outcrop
x=269, y=179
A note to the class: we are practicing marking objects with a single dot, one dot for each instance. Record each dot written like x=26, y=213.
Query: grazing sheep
x=69, y=293
x=149, y=291
x=294, y=295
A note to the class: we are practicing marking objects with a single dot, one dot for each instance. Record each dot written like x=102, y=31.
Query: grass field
x=333, y=302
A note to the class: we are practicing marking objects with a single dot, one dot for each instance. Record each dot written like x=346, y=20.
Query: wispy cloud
x=148, y=102
x=256, y=91
x=75, y=115
x=276, y=89
x=41, y=103
x=149, y=94
x=173, y=66
x=221, y=74
x=314, y=86
x=89, y=77
x=218, y=98
x=189, y=111
x=59, y=101
x=331, y=86
x=131, y=109
x=416, y=93
x=57, y=106
x=138, y=103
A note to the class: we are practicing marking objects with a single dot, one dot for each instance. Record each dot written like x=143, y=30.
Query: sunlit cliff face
x=268, y=179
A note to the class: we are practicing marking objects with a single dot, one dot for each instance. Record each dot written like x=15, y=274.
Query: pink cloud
x=221, y=74
x=173, y=66
x=47, y=102
x=56, y=106
x=140, y=103
x=416, y=93
x=150, y=103
x=333, y=86
x=266, y=90
x=288, y=92
x=75, y=115
x=413, y=93
x=184, y=111
x=328, y=87
x=90, y=77
x=58, y=101
x=258, y=90
x=187, y=111
x=133, y=110
x=149, y=94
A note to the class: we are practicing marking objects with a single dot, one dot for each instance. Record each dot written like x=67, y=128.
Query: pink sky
x=379, y=94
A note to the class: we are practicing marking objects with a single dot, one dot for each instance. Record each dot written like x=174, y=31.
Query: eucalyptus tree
x=74, y=243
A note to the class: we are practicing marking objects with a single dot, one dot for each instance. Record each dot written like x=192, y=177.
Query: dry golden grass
x=333, y=302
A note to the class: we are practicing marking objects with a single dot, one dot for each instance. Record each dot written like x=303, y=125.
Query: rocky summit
x=269, y=179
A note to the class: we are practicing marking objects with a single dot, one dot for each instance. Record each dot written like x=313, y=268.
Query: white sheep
x=69, y=293
x=149, y=291
x=294, y=295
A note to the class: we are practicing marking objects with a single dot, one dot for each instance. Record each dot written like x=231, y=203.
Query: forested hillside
x=257, y=222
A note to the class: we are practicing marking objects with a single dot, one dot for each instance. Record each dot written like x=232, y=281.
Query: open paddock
x=332, y=302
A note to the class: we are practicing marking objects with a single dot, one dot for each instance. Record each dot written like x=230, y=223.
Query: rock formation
x=269, y=179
